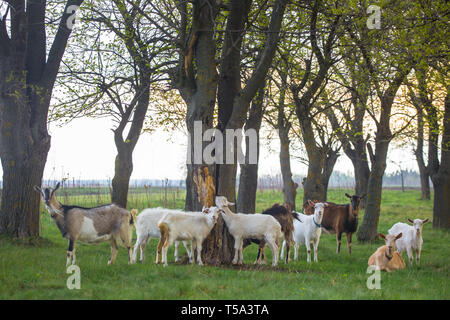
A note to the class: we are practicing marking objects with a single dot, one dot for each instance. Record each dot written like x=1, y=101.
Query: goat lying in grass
x=412, y=238
x=250, y=226
x=90, y=225
x=308, y=232
x=185, y=226
x=147, y=227
x=386, y=257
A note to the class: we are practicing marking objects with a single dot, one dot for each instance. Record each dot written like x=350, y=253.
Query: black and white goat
x=90, y=225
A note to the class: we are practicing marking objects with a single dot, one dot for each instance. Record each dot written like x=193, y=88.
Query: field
x=37, y=270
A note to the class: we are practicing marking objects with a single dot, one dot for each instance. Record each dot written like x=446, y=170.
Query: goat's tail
x=164, y=238
x=133, y=216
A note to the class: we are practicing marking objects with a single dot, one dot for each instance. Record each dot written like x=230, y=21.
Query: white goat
x=147, y=227
x=308, y=231
x=412, y=238
x=185, y=226
x=250, y=226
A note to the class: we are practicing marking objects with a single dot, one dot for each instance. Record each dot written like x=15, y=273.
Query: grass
x=37, y=270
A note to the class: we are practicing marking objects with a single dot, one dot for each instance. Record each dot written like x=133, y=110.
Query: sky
x=84, y=149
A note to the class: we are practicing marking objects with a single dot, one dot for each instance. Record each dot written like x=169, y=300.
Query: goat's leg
x=296, y=245
x=70, y=252
x=175, y=253
x=114, y=250
x=193, y=249
x=308, y=250
x=409, y=251
x=418, y=256
x=137, y=245
x=349, y=242
x=165, y=248
x=188, y=250
x=288, y=247
x=338, y=239
x=237, y=245
x=142, y=249
x=316, y=249
x=241, y=252
x=273, y=246
x=283, y=246
x=199, y=252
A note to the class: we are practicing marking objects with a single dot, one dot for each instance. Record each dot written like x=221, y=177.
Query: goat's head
x=308, y=207
x=213, y=212
x=223, y=202
x=48, y=195
x=355, y=201
x=390, y=241
x=319, y=208
x=418, y=224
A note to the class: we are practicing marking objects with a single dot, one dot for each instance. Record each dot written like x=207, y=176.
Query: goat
x=147, y=227
x=250, y=226
x=412, y=238
x=285, y=217
x=90, y=225
x=308, y=231
x=339, y=219
x=386, y=257
x=185, y=226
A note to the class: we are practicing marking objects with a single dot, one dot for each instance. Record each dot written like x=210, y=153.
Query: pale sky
x=84, y=149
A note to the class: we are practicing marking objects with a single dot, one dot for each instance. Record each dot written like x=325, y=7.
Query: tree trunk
x=330, y=161
x=368, y=229
x=121, y=180
x=20, y=206
x=289, y=186
x=424, y=175
x=248, y=179
x=441, y=177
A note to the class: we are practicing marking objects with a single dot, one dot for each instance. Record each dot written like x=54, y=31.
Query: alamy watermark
x=374, y=20
x=74, y=280
x=72, y=10
x=216, y=152
x=373, y=281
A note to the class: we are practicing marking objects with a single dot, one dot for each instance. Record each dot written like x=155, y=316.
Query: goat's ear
x=230, y=203
x=348, y=196
x=382, y=236
x=57, y=187
x=410, y=220
x=38, y=189
x=426, y=220
x=310, y=203
x=398, y=236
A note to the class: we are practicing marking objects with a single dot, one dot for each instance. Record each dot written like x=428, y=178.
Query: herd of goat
x=278, y=225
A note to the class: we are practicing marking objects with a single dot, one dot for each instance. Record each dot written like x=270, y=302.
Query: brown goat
x=339, y=218
x=285, y=217
x=386, y=257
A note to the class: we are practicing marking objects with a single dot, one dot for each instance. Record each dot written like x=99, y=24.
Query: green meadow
x=37, y=270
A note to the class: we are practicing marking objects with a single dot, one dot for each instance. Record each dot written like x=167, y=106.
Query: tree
x=114, y=77
x=389, y=54
x=321, y=158
x=28, y=70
